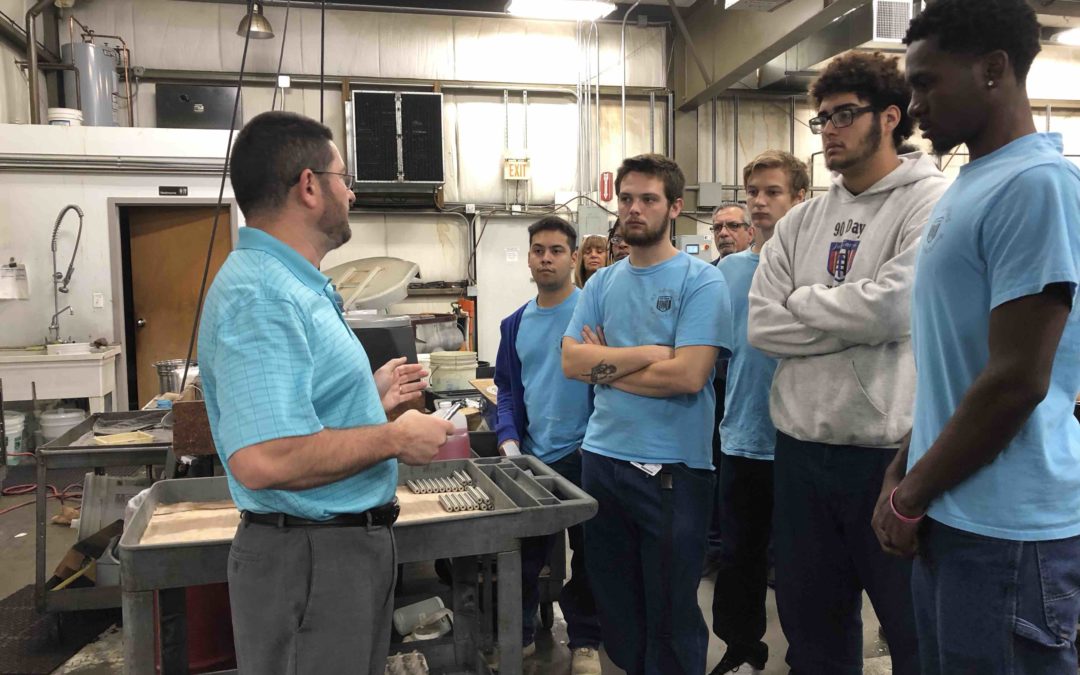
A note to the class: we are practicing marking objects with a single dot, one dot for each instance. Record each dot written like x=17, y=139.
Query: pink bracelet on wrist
x=900, y=516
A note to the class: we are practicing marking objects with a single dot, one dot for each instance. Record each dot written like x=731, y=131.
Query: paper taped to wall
x=14, y=284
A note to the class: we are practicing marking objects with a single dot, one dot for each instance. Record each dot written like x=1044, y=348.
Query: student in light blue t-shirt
x=648, y=331
x=544, y=413
x=775, y=181
x=990, y=502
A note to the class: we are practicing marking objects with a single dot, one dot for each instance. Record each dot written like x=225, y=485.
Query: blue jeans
x=575, y=598
x=645, y=563
x=827, y=554
x=995, y=606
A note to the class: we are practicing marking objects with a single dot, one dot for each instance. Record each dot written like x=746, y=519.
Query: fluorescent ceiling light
x=567, y=10
x=1069, y=37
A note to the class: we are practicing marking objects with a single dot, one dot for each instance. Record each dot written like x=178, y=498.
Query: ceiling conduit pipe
x=32, y=57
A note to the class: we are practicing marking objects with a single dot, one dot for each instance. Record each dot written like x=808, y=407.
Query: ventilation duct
x=891, y=19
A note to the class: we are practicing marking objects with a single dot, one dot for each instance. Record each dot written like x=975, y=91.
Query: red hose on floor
x=73, y=491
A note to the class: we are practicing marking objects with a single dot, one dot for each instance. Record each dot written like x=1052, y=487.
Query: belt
x=380, y=516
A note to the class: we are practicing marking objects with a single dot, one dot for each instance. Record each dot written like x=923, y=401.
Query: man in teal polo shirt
x=299, y=419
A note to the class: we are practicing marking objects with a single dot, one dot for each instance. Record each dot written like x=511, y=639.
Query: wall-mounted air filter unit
x=891, y=19
x=395, y=144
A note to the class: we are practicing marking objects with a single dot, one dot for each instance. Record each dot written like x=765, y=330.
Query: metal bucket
x=170, y=373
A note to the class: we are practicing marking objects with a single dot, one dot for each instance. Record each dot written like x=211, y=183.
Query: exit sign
x=516, y=169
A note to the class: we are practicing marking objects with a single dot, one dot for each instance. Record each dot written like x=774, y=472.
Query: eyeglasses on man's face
x=844, y=117
x=730, y=227
x=347, y=178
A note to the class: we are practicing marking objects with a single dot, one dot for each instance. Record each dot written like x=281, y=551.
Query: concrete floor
x=552, y=657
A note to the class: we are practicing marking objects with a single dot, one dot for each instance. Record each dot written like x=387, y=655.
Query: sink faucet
x=61, y=280
x=54, y=326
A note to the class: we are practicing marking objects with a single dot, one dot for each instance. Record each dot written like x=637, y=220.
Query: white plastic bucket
x=14, y=424
x=65, y=117
x=56, y=423
x=451, y=371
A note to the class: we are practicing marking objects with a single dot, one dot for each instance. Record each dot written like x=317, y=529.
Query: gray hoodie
x=831, y=299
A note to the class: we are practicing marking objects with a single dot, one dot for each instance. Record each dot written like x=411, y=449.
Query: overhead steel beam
x=308, y=81
x=736, y=43
x=689, y=42
x=655, y=14
x=795, y=64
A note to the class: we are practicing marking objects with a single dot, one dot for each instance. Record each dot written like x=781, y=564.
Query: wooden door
x=167, y=254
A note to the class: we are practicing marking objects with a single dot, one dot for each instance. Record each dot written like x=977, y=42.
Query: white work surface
x=91, y=376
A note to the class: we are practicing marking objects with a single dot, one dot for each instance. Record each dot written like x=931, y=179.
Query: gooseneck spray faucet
x=61, y=281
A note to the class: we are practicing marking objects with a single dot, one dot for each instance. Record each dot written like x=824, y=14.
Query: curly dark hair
x=875, y=78
x=977, y=27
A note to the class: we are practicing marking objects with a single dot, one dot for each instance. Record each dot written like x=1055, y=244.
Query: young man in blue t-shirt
x=543, y=413
x=647, y=331
x=775, y=181
x=987, y=493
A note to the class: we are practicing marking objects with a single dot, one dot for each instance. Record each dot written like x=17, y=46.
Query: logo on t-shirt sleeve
x=841, y=258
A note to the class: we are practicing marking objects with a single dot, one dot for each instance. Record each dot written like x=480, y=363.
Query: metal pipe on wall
x=622, y=59
x=669, y=150
x=587, y=182
x=597, y=134
x=713, y=139
x=577, y=94
x=32, y=57
x=652, y=121
x=791, y=127
x=735, y=148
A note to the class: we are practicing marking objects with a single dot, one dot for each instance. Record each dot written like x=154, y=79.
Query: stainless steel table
x=530, y=500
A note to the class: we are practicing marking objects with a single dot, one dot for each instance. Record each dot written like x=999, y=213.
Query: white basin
x=66, y=348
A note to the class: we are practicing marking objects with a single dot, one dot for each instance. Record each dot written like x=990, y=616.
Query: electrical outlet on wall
x=99, y=301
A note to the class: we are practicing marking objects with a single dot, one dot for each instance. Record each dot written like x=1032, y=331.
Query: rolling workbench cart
x=530, y=500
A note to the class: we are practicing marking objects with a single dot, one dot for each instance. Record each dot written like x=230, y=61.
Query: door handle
x=139, y=323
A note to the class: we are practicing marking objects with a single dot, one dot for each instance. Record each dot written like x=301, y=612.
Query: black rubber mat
x=37, y=644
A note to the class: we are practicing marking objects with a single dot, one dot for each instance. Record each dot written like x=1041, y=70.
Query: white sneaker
x=585, y=661
x=528, y=650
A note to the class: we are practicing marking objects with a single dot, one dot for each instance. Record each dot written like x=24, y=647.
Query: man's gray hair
x=734, y=205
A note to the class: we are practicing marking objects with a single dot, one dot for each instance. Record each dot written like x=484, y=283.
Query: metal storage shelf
x=63, y=454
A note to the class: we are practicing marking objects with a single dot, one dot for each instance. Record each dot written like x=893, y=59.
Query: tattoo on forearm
x=601, y=372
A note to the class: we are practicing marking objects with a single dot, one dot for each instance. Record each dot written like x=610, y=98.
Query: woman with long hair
x=594, y=255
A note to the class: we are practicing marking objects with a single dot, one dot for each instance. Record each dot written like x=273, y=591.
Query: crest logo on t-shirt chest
x=933, y=231
x=663, y=303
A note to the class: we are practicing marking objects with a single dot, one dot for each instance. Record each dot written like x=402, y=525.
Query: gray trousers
x=311, y=599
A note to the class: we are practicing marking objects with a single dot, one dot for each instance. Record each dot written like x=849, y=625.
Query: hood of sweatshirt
x=913, y=168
